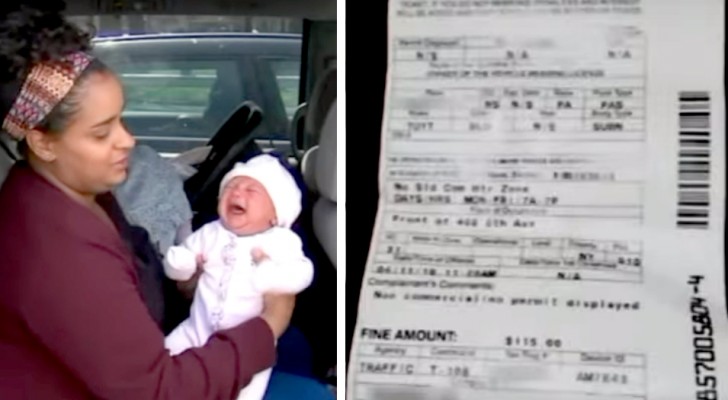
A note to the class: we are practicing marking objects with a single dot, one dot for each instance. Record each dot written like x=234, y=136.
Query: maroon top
x=73, y=324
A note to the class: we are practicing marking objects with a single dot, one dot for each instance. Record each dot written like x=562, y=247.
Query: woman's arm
x=86, y=309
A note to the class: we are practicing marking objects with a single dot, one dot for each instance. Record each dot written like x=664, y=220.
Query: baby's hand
x=258, y=255
x=201, y=260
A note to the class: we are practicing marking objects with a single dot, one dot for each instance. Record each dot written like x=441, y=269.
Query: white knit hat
x=276, y=180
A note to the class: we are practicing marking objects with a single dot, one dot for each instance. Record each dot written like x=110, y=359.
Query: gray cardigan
x=153, y=197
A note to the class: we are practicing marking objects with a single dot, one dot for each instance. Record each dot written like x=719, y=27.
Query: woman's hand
x=277, y=311
x=277, y=307
x=188, y=287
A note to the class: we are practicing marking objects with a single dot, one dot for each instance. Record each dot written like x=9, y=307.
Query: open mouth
x=236, y=209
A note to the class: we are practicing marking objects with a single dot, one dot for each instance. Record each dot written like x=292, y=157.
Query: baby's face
x=245, y=207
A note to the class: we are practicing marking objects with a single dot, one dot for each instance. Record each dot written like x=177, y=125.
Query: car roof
x=195, y=35
x=200, y=44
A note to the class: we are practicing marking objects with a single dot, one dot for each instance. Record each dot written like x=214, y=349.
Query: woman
x=81, y=316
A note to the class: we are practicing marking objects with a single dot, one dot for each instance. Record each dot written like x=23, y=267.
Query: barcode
x=693, y=184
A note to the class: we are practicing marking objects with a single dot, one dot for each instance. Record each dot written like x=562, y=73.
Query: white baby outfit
x=230, y=290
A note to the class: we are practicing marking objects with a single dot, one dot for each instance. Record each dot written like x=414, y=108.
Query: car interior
x=242, y=125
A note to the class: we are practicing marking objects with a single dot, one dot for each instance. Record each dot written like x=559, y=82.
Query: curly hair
x=36, y=31
x=29, y=35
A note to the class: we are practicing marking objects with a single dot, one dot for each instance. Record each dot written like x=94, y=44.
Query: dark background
x=366, y=67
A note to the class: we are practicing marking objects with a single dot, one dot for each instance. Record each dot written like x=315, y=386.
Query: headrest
x=326, y=164
x=308, y=168
x=322, y=96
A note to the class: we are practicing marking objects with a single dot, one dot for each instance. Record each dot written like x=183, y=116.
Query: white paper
x=530, y=243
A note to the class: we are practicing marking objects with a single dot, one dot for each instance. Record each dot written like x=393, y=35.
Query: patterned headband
x=46, y=85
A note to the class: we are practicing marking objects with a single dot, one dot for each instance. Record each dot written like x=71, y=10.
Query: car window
x=287, y=73
x=182, y=82
x=180, y=87
x=177, y=105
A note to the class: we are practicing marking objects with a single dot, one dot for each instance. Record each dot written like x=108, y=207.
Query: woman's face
x=91, y=156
